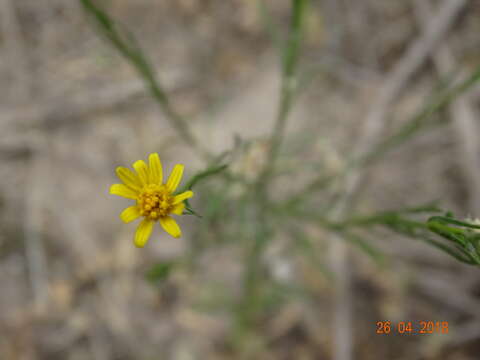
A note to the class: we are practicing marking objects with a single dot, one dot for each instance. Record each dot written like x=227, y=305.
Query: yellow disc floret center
x=155, y=201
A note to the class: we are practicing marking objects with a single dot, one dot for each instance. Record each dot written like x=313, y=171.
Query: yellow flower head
x=155, y=200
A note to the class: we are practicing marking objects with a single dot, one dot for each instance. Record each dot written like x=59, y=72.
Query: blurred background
x=73, y=286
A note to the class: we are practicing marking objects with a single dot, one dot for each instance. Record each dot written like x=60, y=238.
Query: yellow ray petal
x=170, y=226
x=129, y=178
x=144, y=230
x=130, y=214
x=175, y=177
x=142, y=171
x=183, y=196
x=122, y=190
x=178, y=209
x=155, y=167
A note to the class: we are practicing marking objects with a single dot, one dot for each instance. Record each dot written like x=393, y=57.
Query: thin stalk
x=250, y=306
x=253, y=278
x=439, y=100
x=129, y=49
x=288, y=86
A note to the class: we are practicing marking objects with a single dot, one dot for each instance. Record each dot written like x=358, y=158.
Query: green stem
x=130, y=50
x=439, y=100
x=288, y=86
x=250, y=306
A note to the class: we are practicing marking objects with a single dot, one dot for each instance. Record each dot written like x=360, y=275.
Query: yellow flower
x=155, y=199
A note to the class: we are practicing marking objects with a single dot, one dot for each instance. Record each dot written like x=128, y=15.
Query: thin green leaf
x=375, y=254
x=439, y=101
x=202, y=176
x=447, y=250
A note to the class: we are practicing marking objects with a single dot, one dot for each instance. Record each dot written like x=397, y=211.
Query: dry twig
x=463, y=114
x=35, y=250
x=15, y=49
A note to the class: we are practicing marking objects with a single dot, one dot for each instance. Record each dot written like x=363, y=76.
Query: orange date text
x=412, y=327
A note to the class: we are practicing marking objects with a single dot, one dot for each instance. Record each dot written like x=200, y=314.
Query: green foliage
x=250, y=218
x=196, y=179
x=444, y=96
x=462, y=238
x=159, y=272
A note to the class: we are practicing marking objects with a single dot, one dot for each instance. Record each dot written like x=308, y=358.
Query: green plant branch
x=288, y=86
x=251, y=300
x=423, y=119
x=440, y=100
x=462, y=243
x=130, y=50
x=202, y=175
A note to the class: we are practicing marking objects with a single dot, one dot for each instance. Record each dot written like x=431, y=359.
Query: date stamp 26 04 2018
x=412, y=327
